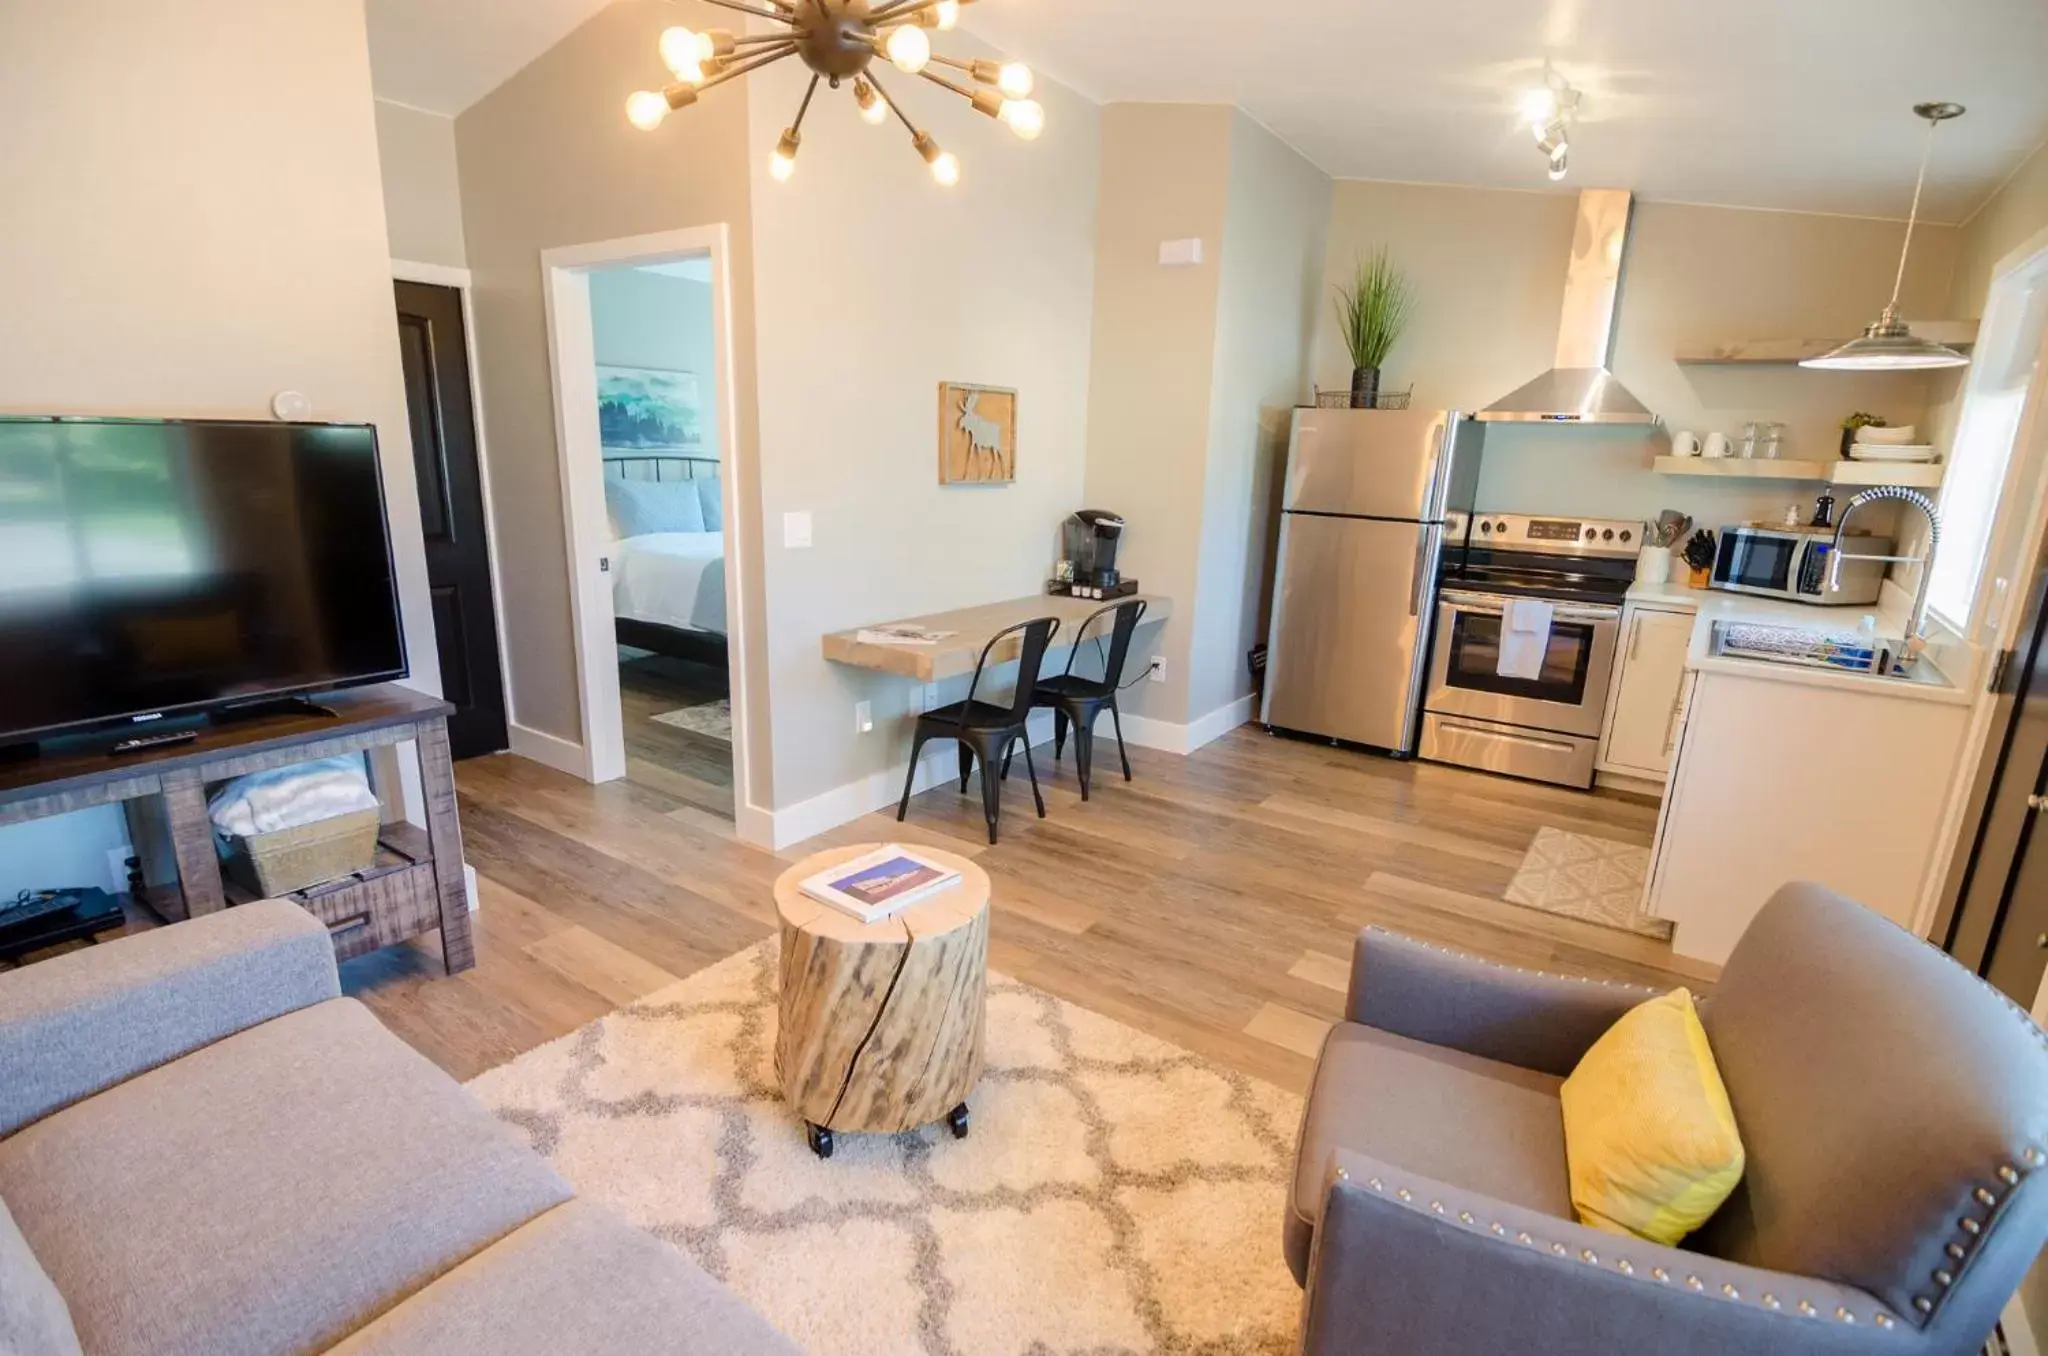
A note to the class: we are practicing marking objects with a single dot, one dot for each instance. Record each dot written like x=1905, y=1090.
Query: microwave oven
x=1792, y=564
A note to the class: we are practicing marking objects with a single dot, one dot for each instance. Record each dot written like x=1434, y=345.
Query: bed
x=668, y=561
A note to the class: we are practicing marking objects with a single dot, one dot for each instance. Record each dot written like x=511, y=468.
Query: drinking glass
x=1750, y=434
x=1774, y=437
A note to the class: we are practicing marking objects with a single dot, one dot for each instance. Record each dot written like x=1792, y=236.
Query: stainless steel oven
x=1546, y=727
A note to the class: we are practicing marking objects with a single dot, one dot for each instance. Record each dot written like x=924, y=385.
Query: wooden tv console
x=415, y=886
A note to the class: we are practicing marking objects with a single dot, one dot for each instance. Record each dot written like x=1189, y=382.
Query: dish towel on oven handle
x=1524, y=638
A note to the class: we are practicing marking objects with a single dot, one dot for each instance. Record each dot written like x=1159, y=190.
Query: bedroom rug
x=1115, y=1194
x=1596, y=880
x=712, y=719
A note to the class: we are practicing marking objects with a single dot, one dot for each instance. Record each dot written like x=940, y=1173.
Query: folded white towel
x=285, y=798
x=1524, y=638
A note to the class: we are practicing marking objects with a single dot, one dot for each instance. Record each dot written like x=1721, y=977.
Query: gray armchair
x=1894, y=1109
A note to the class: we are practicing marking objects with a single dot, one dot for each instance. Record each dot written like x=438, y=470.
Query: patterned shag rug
x=1579, y=876
x=1115, y=1194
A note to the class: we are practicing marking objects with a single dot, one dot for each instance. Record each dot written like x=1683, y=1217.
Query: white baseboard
x=1168, y=737
x=843, y=804
x=2019, y=1328
x=563, y=755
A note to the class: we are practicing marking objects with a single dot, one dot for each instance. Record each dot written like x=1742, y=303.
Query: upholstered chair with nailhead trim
x=1894, y=1109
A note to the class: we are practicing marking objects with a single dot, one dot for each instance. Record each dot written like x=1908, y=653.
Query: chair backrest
x=1037, y=635
x=1894, y=1109
x=1128, y=613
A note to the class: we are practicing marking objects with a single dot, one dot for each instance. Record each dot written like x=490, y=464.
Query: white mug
x=1717, y=445
x=1685, y=444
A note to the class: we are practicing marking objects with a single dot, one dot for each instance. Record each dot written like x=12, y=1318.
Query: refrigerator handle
x=1424, y=541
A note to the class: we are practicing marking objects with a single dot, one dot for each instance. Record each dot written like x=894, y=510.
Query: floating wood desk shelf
x=972, y=627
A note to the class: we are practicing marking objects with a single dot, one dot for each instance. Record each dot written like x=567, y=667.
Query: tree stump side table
x=881, y=1024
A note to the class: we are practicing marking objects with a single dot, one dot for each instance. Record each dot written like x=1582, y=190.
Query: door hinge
x=2000, y=664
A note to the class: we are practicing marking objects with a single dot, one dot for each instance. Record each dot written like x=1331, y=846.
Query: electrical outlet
x=863, y=717
x=117, y=866
x=1156, y=670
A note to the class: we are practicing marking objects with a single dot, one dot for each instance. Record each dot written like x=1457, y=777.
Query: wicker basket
x=278, y=863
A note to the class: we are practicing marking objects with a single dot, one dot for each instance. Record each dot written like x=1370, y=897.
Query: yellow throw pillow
x=1649, y=1137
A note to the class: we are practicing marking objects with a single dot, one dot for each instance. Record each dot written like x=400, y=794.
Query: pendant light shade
x=1889, y=345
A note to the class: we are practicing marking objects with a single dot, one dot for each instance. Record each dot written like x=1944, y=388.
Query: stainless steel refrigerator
x=1362, y=530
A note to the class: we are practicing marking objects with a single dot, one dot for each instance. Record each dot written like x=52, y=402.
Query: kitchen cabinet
x=1643, y=710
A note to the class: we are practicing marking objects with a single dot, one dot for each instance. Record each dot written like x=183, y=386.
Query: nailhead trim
x=2007, y=1175
x=1985, y=1198
x=1882, y=1320
x=1806, y=1307
x=1589, y=1256
x=1625, y=1267
x=1955, y=1250
x=1924, y=1304
x=1731, y=1292
x=1770, y=1301
x=1971, y=1226
x=1845, y=1315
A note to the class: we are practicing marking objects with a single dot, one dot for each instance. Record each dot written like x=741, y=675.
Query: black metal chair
x=987, y=731
x=1078, y=701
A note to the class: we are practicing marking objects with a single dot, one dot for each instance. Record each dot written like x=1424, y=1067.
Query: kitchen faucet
x=1915, y=642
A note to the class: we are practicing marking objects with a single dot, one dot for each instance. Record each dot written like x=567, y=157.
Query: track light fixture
x=1550, y=112
x=839, y=40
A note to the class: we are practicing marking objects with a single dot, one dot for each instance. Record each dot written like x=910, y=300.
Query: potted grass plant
x=1371, y=313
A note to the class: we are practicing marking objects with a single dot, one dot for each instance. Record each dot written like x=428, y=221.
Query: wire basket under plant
x=1382, y=400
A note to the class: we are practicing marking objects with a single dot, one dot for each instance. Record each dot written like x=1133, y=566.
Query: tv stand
x=414, y=886
x=270, y=706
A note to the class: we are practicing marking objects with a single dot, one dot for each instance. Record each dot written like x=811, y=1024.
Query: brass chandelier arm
x=756, y=39
x=896, y=11
x=944, y=83
x=754, y=63
x=805, y=106
x=893, y=107
x=778, y=14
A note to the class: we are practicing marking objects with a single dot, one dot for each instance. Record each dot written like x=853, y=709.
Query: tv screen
x=172, y=566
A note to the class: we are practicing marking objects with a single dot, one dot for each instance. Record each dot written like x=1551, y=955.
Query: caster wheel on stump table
x=956, y=1119
x=820, y=1139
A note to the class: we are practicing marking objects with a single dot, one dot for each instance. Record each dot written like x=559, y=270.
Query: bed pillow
x=640, y=508
x=709, y=493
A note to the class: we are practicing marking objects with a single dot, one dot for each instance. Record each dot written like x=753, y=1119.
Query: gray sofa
x=1894, y=1109
x=205, y=1149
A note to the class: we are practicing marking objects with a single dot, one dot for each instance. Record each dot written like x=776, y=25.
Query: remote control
x=142, y=743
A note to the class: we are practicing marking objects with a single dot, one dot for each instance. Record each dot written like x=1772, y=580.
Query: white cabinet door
x=1642, y=722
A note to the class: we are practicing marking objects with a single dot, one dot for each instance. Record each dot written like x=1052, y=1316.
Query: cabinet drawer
x=363, y=914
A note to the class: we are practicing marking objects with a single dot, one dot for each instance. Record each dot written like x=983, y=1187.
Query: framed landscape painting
x=648, y=409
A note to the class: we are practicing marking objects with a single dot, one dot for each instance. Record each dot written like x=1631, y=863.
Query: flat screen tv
x=160, y=567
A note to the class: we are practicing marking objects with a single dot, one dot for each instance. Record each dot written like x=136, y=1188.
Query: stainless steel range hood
x=1579, y=389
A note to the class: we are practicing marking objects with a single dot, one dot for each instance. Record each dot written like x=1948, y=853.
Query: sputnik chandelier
x=838, y=40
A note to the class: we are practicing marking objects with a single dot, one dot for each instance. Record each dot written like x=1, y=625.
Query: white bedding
x=673, y=579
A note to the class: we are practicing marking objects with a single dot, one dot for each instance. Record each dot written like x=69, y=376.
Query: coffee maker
x=1088, y=556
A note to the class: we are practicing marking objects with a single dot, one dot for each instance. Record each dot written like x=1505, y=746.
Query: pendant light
x=1889, y=345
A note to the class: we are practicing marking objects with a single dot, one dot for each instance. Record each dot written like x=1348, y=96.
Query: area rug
x=712, y=719
x=1596, y=880
x=1115, y=1193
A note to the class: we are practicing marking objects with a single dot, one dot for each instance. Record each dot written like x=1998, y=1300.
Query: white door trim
x=572, y=359
x=446, y=275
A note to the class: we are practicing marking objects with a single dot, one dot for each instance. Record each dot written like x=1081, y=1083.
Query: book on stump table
x=882, y=883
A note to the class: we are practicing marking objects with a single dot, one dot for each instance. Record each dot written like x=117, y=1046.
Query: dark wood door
x=442, y=411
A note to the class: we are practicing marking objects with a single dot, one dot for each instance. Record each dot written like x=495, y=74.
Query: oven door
x=1569, y=695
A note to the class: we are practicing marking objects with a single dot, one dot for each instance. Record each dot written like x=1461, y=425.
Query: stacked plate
x=1889, y=444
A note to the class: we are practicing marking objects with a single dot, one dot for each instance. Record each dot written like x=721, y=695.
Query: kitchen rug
x=1115, y=1194
x=713, y=719
x=1596, y=880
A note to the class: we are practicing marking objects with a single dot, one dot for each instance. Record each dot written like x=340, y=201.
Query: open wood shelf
x=1738, y=352
x=1917, y=474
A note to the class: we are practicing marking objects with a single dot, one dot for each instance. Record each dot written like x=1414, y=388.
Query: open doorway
x=640, y=345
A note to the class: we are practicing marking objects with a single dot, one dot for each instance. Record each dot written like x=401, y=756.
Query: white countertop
x=1925, y=683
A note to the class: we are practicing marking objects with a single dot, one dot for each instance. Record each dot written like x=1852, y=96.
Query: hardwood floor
x=1211, y=902
x=693, y=768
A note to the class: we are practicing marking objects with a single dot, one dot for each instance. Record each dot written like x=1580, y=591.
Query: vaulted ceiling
x=1795, y=104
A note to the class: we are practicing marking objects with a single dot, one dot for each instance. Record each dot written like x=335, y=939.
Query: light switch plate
x=1180, y=253
x=796, y=530
x=863, y=717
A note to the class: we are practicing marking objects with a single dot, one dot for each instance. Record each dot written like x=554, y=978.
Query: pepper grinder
x=1824, y=511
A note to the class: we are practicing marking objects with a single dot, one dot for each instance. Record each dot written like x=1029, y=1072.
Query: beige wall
x=2016, y=213
x=1165, y=176
x=1272, y=266
x=872, y=285
x=548, y=160
x=194, y=242
x=422, y=199
x=642, y=319
x=1488, y=268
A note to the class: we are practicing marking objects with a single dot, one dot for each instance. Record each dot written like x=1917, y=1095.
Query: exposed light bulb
x=683, y=52
x=1014, y=80
x=948, y=12
x=783, y=163
x=946, y=168
x=1560, y=162
x=874, y=110
x=1024, y=116
x=909, y=48
x=1539, y=106
x=646, y=109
